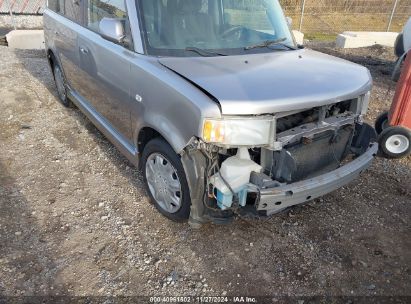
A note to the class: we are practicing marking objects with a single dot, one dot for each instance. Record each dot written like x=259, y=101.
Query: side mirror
x=289, y=21
x=112, y=30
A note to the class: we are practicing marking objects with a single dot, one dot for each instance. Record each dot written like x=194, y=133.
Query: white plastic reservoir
x=236, y=171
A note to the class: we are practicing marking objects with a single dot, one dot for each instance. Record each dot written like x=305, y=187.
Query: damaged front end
x=286, y=159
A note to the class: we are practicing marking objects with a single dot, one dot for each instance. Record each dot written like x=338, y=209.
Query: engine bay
x=308, y=143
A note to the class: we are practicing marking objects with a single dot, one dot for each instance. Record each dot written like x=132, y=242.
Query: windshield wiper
x=203, y=52
x=269, y=43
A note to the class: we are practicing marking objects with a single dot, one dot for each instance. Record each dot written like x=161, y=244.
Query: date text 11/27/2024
x=205, y=299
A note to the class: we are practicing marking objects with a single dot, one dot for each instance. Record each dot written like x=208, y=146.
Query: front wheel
x=165, y=180
x=395, y=142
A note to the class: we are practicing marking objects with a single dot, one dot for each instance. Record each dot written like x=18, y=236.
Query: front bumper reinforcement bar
x=276, y=199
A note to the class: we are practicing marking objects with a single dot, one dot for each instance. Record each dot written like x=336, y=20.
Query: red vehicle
x=394, y=127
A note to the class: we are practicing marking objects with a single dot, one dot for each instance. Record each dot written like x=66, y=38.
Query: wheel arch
x=145, y=135
x=165, y=130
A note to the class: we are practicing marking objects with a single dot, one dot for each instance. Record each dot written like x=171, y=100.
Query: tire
x=161, y=180
x=395, y=142
x=399, y=45
x=381, y=122
x=60, y=84
x=396, y=73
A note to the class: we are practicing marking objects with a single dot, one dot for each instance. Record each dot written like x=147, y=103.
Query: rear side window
x=72, y=10
x=56, y=6
x=69, y=8
x=98, y=9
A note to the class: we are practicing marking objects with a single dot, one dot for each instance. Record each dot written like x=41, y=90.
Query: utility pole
x=302, y=14
x=392, y=15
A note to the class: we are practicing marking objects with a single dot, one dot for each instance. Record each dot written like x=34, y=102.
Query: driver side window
x=98, y=9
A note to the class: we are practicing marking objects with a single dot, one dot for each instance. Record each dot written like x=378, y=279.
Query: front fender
x=168, y=103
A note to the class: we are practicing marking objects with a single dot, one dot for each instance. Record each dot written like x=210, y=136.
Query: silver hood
x=273, y=82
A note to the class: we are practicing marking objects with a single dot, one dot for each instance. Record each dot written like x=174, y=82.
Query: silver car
x=213, y=100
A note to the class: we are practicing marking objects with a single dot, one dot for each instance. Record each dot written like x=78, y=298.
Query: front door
x=105, y=68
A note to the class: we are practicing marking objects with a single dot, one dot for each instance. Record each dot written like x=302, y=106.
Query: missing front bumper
x=276, y=199
x=276, y=196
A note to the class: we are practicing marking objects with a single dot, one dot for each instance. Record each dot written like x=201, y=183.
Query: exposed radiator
x=312, y=157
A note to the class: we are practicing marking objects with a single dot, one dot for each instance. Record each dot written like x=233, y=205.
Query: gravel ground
x=75, y=219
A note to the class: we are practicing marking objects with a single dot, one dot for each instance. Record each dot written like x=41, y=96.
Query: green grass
x=336, y=23
x=320, y=37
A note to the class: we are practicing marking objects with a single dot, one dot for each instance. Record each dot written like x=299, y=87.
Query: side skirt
x=125, y=147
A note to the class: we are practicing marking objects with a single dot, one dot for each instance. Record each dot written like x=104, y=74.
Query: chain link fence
x=322, y=18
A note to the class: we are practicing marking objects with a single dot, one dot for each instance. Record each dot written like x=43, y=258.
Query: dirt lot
x=75, y=219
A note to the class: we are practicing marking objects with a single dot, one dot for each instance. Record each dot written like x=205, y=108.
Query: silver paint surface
x=274, y=82
x=177, y=93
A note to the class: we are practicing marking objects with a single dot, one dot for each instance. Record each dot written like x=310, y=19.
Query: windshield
x=218, y=27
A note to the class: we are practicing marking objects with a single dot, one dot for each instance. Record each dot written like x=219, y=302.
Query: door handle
x=84, y=50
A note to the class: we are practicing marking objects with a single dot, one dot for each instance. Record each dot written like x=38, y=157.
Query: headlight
x=365, y=101
x=239, y=131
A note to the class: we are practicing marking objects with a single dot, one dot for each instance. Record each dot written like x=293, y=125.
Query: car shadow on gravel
x=36, y=63
x=134, y=176
x=25, y=250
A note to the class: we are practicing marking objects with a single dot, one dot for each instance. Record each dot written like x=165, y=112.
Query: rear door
x=62, y=24
x=105, y=67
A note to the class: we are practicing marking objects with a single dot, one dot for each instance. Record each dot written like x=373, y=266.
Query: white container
x=236, y=171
